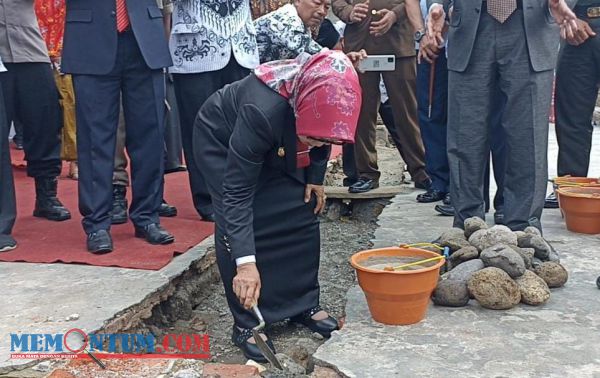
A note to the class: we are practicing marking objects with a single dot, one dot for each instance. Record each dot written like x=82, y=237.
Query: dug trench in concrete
x=194, y=302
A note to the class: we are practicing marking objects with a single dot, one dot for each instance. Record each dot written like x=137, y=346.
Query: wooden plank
x=381, y=192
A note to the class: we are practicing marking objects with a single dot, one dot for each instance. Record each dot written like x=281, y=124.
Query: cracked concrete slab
x=37, y=298
x=558, y=339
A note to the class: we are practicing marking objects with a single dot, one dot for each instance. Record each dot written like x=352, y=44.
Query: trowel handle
x=258, y=314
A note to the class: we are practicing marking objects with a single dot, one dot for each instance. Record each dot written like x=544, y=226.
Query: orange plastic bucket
x=398, y=297
x=581, y=208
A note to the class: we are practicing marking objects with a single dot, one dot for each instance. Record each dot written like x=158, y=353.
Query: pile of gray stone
x=497, y=267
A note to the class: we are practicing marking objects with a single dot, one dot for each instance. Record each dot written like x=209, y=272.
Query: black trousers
x=143, y=93
x=577, y=79
x=191, y=91
x=8, y=210
x=30, y=95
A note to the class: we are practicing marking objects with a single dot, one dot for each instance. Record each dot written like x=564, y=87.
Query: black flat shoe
x=99, y=242
x=7, y=243
x=446, y=210
x=166, y=210
x=431, y=195
x=250, y=350
x=323, y=327
x=154, y=234
x=551, y=201
x=447, y=200
x=363, y=185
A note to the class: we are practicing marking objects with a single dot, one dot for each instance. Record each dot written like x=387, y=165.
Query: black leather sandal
x=250, y=350
x=323, y=327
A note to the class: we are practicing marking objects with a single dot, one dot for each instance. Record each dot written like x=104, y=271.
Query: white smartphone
x=377, y=63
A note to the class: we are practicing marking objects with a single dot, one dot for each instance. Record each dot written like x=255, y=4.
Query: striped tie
x=122, y=16
x=501, y=9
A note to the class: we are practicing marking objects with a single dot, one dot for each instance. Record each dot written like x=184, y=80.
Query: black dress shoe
x=166, y=210
x=323, y=327
x=447, y=210
x=431, y=195
x=363, y=185
x=447, y=200
x=47, y=204
x=250, y=350
x=99, y=242
x=424, y=184
x=551, y=201
x=349, y=181
x=154, y=234
x=118, y=214
x=7, y=243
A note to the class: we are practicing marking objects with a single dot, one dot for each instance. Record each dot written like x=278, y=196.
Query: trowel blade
x=266, y=351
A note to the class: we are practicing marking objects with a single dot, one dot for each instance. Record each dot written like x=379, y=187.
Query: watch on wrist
x=419, y=34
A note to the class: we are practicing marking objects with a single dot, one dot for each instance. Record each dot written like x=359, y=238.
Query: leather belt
x=588, y=11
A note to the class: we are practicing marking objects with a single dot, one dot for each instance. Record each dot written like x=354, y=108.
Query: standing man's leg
x=97, y=118
x=365, y=149
x=401, y=87
x=525, y=124
x=471, y=94
x=143, y=94
x=433, y=128
x=577, y=76
x=8, y=208
x=36, y=104
x=192, y=90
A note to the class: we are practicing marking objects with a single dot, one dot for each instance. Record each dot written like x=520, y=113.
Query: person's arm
x=319, y=157
x=415, y=17
x=249, y=143
x=166, y=6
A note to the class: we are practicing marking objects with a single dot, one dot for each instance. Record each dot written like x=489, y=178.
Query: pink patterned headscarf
x=323, y=90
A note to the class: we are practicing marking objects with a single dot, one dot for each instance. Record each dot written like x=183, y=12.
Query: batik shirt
x=51, y=19
x=206, y=32
x=283, y=35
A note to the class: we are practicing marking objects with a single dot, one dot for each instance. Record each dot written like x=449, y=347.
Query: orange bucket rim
x=572, y=191
x=357, y=266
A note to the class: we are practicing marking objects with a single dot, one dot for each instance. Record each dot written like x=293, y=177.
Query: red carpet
x=43, y=241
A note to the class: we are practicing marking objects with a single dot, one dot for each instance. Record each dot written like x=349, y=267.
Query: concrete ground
x=558, y=339
x=38, y=298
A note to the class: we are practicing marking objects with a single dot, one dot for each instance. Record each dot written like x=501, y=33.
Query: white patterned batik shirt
x=206, y=32
x=282, y=35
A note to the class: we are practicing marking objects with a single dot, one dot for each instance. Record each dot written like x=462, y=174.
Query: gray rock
x=454, y=239
x=464, y=271
x=494, y=289
x=290, y=366
x=451, y=293
x=532, y=230
x=474, y=224
x=527, y=256
x=553, y=273
x=553, y=255
x=503, y=257
x=464, y=254
x=534, y=290
x=498, y=234
x=542, y=248
x=536, y=263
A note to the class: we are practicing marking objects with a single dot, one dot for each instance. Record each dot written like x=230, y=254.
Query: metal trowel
x=260, y=343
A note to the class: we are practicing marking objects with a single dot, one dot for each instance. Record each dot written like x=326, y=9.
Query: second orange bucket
x=397, y=297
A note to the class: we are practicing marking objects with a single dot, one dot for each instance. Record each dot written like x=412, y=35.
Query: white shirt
x=206, y=32
x=2, y=68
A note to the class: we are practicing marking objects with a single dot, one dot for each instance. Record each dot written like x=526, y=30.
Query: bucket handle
x=422, y=245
